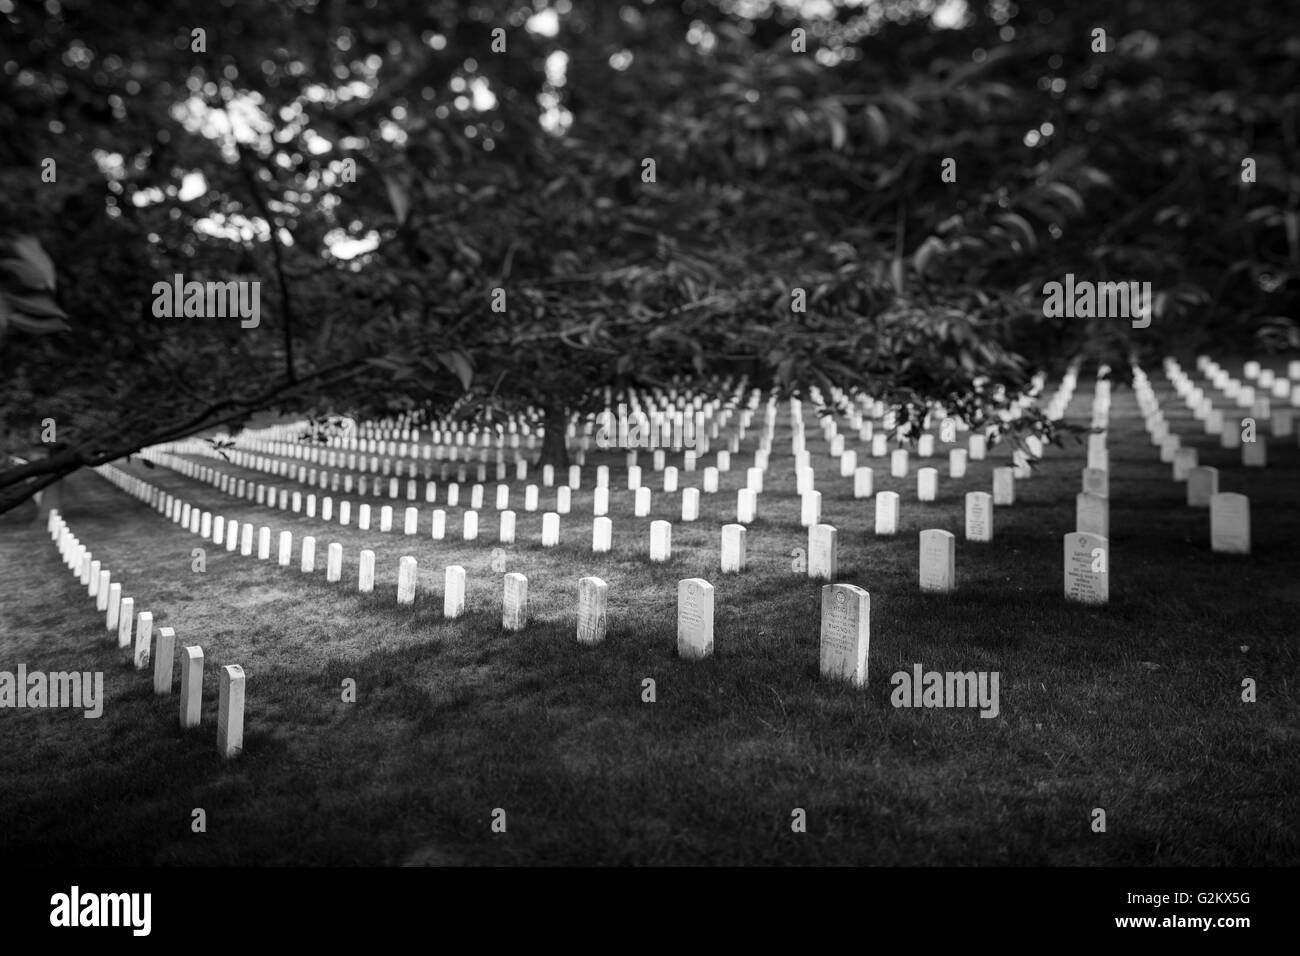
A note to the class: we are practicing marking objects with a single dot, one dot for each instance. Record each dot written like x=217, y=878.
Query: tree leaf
x=29, y=250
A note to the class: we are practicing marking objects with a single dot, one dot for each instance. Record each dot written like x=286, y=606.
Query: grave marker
x=694, y=618
x=593, y=600
x=845, y=633
x=938, y=561
x=1087, y=568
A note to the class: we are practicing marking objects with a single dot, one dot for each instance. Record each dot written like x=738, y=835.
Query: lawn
x=1134, y=708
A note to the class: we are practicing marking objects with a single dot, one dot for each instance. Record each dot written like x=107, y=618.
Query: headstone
x=733, y=548
x=363, y=517
x=979, y=447
x=1092, y=514
x=334, y=562
x=1087, y=568
x=925, y=446
x=593, y=600
x=670, y=479
x=530, y=497
x=1254, y=454
x=191, y=687
x=754, y=479
x=143, y=640
x=600, y=501
x=366, y=574
x=863, y=482
x=308, y=554
x=1096, y=481
x=507, y=533
x=602, y=535
x=1202, y=485
x=263, y=543
x=898, y=463
x=286, y=548
x=163, y=657
x=660, y=540
x=938, y=561
x=126, y=620
x=694, y=618
x=823, y=552
x=563, y=500
x=411, y=524
x=887, y=513
x=979, y=516
x=746, y=506
x=1004, y=486
x=927, y=484
x=230, y=711
x=406, y=576
x=710, y=480
x=550, y=529
x=690, y=504
x=453, y=598
x=845, y=633
x=810, y=512
x=879, y=445
x=514, y=603
x=957, y=463
x=1230, y=523
x=470, y=527
x=633, y=477
x=642, y=505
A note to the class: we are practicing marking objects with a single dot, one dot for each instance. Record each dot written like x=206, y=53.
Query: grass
x=1134, y=708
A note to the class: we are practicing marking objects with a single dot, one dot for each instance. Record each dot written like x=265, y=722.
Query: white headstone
x=1004, y=486
x=366, y=573
x=407, y=572
x=979, y=447
x=746, y=506
x=1087, y=568
x=957, y=463
x=593, y=601
x=863, y=482
x=694, y=618
x=453, y=598
x=887, y=513
x=938, y=560
x=600, y=501
x=514, y=602
x=898, y=463
x=230, y=711
x=550, y=529
x=733, y=548
x=470, y=528
x=979, y=516
x=143, y=639
x=823, y=552
x=810, y=512
x=1096, y=481
x=263, y=543
x=602, y=535
x=126, y=621
x=1230, y=523
x=507, y=533
x=163, y=658
x=1092, y=514
x=285, y=555
x=1202, y=485
x=334, y=562
x=642, y=505
x=845, y=633
x=308, y=564
x=660, y=540
x=927, y=484
x=690, y=504
x=191, y=687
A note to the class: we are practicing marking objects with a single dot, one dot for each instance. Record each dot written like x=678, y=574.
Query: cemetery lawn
x=1134, y=708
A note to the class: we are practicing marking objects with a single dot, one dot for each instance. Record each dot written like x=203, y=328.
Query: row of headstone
x=134, y=632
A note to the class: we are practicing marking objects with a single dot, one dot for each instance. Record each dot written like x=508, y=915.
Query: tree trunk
x=555, y=448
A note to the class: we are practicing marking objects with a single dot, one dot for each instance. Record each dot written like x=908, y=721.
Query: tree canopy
x=504, y=205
